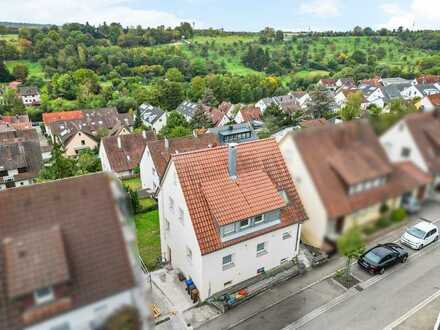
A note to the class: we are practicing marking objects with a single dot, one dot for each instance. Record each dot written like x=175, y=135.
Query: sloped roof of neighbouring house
x=149, y=113
x=129, y=154
x=313, y=123
x=204, y=179
x=425, y=129
x=17, y=121
x=427, y=89
x=251, y=114
x=161, y=150
x=434, y=99
x=72, y=226
x=28, y=91
x=338, y=156
x=50, y=117
x=188, y=108
x=428, y=79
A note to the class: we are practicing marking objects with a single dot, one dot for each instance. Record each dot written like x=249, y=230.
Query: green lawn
x=9, y=37
x=148, y=237
x=224, y=39
x=133, y=183
x=311, y=74
x=146, y=202
x=35, y=68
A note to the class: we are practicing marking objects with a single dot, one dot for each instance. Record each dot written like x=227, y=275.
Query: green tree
x=321, y=104
x=5, y=75
x=87, y=162
x=350, y=245
x=175, y=75
x=176, y=126
x=59, y=166
x=137, y=119
x=208, y=98
x=20, y=72
x=201, y=119
x=352, y=109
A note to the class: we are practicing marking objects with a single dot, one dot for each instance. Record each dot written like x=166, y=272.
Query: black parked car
x=382, y=256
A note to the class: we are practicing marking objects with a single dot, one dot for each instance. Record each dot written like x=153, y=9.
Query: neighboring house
x=188, y=109
x=329, y=84
x=68, y=254
x=373, y=95
x=227, y=109
x=426, y=79
x=216, y=115
x=284, y=102
x=84, y=133
x=374, y=82
x=343, y=95
x=346, y=83
x=302, y=98
x=343, y=176
x=228, y=214
x=395, y=81
x=29, y=95
x=153, y=117
x=20, y=157
x=51, y=117
x=122, y=154
x=393, y=91
x=17, y=121
x=430, y=103
x=158, y=153
x=126, y=120
x=419, y=91
x=417, y=138
x=236, y=133
x=249, y=114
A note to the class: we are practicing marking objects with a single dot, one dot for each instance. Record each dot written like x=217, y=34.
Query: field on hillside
x=9, y=37
x=228, y=51
x=35, y=68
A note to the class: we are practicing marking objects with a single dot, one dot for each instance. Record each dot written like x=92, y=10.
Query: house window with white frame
x=259, y=219
x=244, y=224
x=228, y=229
x=227, y=262
x=43, y=295
x=405, y=153
x=261, y=248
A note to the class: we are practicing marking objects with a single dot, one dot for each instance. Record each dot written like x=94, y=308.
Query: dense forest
x=80, y=65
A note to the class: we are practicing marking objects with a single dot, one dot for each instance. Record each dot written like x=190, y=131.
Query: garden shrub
x=383, y=223
x=398, y=215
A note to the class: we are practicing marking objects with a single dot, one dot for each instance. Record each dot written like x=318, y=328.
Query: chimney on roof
x=232, y=160
x=166, y=143
x=119, y=142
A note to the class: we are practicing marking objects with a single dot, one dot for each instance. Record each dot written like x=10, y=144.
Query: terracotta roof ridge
x=220, y=146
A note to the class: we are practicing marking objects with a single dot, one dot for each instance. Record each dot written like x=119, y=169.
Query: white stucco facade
x=313, y=230
x=149, y=177
x=396, y=139
x=207, y=271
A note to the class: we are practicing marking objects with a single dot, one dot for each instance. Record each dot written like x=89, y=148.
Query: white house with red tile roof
x=228, y=214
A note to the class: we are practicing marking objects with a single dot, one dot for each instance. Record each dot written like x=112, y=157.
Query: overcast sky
x=243, y=15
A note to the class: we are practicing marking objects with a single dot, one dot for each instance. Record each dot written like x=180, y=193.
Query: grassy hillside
x=35, y=68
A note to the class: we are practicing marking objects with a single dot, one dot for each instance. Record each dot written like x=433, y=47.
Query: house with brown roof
x=122, y=154
x=17, y=121
x=430, y=102
x=344, y=176
x=68, y=255
x=416, y=138
x=328, y=83
x=248, y=114
x=228, y=214
x=29, y=95
x=157, y=154
x=51, y=117
x=20, y=157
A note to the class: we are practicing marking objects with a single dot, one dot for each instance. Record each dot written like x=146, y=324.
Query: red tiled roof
x=129, y=155
x=328, y=82
x=251, y=113
x=50, y=117
x=338, y=156
x=199, y=168
x=84, y=208
x=234, y=200
x=428, y=79
x=161, y=154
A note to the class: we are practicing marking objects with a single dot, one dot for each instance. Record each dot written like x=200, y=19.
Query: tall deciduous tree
x=322, y=103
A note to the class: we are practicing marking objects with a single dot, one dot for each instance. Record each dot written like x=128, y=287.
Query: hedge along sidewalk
x=382, y=232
